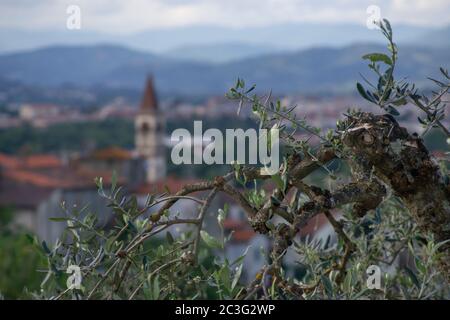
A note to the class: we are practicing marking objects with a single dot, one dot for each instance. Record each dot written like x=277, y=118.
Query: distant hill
x=287, y=36
x=219, y=53
x=438, y=38
x=76, y=64
x=312, y=70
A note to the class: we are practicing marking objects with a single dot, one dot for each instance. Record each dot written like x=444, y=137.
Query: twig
x=150, y=275
x=201, y=217
x=349, y=245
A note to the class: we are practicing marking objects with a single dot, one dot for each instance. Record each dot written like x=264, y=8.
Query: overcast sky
x=127, y=16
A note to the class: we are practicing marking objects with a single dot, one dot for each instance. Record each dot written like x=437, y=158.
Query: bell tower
x=149, y=130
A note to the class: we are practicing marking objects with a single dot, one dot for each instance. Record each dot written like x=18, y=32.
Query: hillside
x=311, y=70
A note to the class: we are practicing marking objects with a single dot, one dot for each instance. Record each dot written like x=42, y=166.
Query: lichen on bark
x=401, y=160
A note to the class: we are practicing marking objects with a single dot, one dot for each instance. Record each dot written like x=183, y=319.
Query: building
x=149, y=129
x=36, y=186
x=28, y=112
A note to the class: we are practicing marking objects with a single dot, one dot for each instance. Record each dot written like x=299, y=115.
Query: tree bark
x=401, y=160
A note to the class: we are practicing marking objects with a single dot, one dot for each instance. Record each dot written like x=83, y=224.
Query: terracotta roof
x=242, y=231
x=48, y=171
x=243, y=235
x=29, y=162
x=112, y=153
x=34, y=178
x=26, y=182
x=232, y=224
x=149, y=101
x=8, y=161
x=41, y=161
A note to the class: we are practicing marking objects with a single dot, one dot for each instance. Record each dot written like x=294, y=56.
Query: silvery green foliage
x=116, y=264
x=386, y=238
x=130, y=259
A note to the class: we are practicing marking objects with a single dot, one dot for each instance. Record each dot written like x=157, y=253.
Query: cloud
x=118, y=16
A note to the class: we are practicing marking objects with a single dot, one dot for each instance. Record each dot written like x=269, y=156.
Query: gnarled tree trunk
x=399, y=159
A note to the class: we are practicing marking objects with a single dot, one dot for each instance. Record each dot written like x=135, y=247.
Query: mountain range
x=277, y=37
x=321, y=69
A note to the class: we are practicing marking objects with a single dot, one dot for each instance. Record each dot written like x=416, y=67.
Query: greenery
x=380, y=165
x=66, y=137
x=129, y=261
x=19, y=261
x=72, y=137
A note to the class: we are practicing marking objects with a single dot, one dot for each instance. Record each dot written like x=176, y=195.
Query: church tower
x=149, y=129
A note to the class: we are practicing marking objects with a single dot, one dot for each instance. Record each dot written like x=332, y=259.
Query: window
x=145, y=127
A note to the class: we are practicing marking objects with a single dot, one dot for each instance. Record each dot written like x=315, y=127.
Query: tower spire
x=149, y=124
x=149, y=101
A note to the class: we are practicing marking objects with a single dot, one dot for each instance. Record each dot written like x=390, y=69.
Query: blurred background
x=92, y=87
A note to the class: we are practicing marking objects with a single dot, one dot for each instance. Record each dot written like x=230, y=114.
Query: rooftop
x=112, y=153
x=26, y=181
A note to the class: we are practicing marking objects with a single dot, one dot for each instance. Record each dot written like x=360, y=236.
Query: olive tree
x=394, y=198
